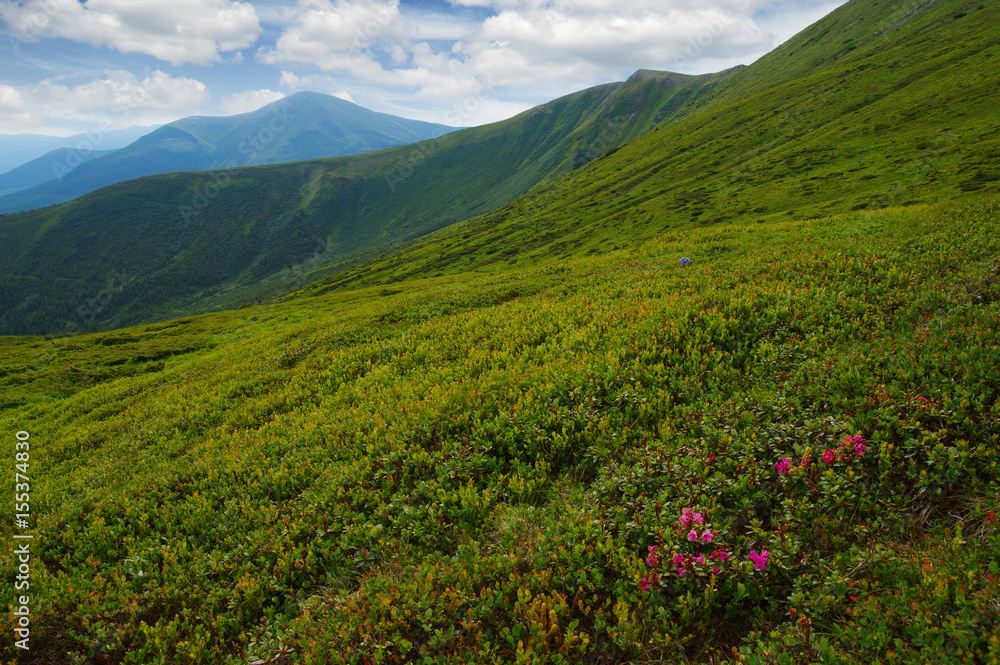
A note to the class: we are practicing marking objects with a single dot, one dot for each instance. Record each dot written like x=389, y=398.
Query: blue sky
x=84, y=65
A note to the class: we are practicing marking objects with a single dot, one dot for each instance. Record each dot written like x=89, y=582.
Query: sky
x=75, y=66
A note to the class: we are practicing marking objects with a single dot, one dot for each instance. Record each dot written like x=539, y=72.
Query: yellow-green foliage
x=473, y=468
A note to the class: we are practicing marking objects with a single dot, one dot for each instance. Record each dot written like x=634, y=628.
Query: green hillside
x=472, y=469
x=179, y=243
x=898, y=108
x=305, y=125
x=668, y=407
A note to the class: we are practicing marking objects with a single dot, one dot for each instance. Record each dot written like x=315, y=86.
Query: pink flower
x=759, y=560
x=829, y=455
x=700, y=560
x=706, y=536
x=857, y=438
x=678, y=559
x=652, y=559
x=859, y=449
x=718, y=554
x=680, y=572
x=644, y=584
x=689, y=517
x=782, y=465
x=693, y=536
x=715, y=569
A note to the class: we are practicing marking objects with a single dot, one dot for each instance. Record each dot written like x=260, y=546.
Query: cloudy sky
x=78, y=65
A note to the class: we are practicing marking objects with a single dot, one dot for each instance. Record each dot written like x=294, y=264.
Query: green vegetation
x=175, y=244
x=472, y=468
x=541, y=435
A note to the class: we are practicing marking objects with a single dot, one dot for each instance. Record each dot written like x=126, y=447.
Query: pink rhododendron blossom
x=700, y=560
x=706, y=536
x=859, y=449
x=715, y=569
x=829, y=456
x=644, y=584
x=693, y=536
x=782, y=465
x=698, y=519
x=759, y=560
x=680, y=572
x=678, y=559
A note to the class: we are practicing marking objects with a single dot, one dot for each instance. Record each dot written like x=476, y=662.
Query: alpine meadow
x=684, y=369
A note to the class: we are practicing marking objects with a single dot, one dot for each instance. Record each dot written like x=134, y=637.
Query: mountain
x=886, y=116
x=301, y=126
x=197, y=241
x=18, y=149
x=770, y=438
x=52, y=165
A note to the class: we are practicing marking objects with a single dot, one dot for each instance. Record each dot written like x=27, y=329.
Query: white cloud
x=117, y=100
x=178, y=31
x=331, y=34
x=520, y=51
x=249, y=100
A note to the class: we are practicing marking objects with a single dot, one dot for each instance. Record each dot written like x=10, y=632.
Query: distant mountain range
x=305, y=125
x=203, y=240
x=51, y=166
x=18, y=149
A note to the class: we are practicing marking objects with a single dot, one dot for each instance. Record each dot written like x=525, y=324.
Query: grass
x=472, y=467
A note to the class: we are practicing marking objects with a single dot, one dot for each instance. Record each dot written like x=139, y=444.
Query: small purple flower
x=783, y=465
x=685, y=262
x=693, y=536
x=678, y=559
x=829, y=455
x=706, y=536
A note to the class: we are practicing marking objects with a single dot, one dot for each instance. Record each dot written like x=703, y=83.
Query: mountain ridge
x=325, y=126
x=217, y=234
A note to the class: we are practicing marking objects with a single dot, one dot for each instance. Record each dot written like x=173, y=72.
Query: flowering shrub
x=850, y=447
x=575, y=463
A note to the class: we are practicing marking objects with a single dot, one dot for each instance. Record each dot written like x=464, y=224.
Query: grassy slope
x=168, y=245
x=476, y=465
